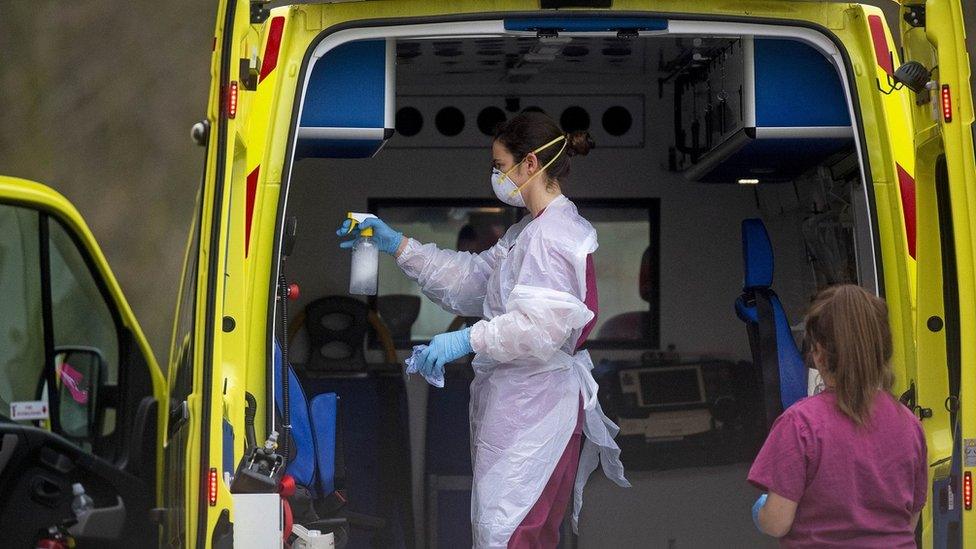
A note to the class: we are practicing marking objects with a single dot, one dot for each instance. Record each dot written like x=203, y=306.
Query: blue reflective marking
x=586, y=24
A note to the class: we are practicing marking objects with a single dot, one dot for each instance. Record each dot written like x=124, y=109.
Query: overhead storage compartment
x=760, y=110
x=349, y=102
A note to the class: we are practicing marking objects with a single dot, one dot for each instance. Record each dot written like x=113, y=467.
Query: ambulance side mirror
x=79, y=375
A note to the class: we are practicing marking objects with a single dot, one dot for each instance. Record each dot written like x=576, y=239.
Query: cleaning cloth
x=436, y=379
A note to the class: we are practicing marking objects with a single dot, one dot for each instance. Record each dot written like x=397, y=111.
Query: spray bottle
x=365, y=258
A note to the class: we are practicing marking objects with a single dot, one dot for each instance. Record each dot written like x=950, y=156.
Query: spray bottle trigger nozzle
x=357, y=218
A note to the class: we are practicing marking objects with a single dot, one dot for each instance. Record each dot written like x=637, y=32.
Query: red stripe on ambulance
x=881, y=51
x=272, y=47
x=906, y=184
x=252, y=189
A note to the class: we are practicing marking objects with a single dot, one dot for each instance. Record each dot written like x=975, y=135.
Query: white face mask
x=506, y=190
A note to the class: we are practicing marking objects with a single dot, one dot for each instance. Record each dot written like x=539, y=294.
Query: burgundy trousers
x=540, y=528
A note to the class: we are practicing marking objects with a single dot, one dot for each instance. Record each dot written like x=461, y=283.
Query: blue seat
x=313, y=433
x=375, y=448
x=353, y=463
x=784, y=372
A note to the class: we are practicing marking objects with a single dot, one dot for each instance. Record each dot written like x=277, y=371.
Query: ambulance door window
x=181, y=355
x=81, y=318
x=180, y=382
x=21, y=320
x=950, y=289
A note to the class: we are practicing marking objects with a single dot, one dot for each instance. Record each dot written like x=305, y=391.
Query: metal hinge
x=249, y=72
x=178, y=417
x=915, y=15
x=259, y=11
x=908, y=399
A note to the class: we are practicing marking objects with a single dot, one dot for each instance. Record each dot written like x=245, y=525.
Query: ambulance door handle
x=178, y=417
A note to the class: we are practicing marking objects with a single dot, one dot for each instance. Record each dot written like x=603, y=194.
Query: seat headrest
x=757, y=255
x=399, y=312
x=336, y=327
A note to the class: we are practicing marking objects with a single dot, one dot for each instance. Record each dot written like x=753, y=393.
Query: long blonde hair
x=849, y=326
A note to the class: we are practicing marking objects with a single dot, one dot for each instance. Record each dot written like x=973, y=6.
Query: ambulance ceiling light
x=544, y=51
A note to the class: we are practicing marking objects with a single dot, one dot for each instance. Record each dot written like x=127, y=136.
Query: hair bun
x=579, y=143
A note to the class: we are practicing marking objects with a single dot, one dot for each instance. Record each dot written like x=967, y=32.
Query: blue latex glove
x=413, y=362
x=755, y=510
x=385, y=238
x=444, y=348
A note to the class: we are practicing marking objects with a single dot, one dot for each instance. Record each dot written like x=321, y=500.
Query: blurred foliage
x=96, y=100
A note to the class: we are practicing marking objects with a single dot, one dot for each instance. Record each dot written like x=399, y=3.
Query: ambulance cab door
x=936, y=69
x=79, y=387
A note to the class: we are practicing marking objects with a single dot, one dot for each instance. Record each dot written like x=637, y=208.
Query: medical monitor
x=665, y=386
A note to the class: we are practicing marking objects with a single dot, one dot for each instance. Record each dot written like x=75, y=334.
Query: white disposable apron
x=518, y=437
x=530, y=289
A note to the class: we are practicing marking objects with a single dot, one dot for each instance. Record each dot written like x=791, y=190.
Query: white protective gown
x=529, y=288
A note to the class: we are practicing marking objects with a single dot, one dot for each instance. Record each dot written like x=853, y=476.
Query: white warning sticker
x=969, y=445
x=28, y=409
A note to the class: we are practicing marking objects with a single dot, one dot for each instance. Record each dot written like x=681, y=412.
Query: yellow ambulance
x=729, y=136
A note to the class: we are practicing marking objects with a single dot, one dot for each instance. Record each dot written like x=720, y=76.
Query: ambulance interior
x=694, y=136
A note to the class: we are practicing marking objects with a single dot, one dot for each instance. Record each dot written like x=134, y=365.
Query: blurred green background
x=96, y=100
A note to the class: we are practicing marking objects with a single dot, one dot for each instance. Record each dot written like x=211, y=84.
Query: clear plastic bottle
x=365, y=259
x=82, y=503
x=365, y=263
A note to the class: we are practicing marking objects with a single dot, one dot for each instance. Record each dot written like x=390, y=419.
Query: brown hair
x=850, y=327
x=530, y=130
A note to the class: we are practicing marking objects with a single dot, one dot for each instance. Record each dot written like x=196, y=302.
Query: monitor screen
x=667, y=386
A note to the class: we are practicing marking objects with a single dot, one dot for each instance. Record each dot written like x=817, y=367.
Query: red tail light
x=967, y=490
x=212, y=487
x=946, y=103
x=232, y=99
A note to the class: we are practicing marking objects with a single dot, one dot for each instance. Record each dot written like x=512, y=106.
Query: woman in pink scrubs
x=846, y=467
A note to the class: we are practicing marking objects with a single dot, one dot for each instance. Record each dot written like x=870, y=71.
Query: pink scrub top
x=855, y=486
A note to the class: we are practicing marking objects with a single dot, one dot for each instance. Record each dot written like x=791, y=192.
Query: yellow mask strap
x=549, y=144
x=536, y=151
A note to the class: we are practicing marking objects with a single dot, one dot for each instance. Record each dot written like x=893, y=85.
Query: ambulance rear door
x=205, y=432
x=936, y=68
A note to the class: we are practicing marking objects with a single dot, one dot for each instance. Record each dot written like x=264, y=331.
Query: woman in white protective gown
x=533, y=396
